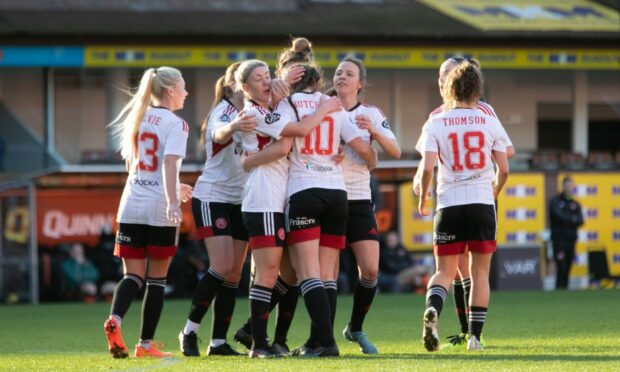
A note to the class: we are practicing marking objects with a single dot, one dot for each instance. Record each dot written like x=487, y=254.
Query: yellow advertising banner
x=373, y=57
x=521, y=214
x=599, y=196
x=416, y=231
x=530, y=15
x=521, y=210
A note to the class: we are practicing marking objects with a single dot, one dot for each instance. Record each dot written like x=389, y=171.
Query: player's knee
x=370, y=273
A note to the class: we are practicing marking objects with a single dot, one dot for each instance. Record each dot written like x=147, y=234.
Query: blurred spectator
x=109, y=266
x=395, y=265
x=187, y=267
x=565, y=217
x=79, y=275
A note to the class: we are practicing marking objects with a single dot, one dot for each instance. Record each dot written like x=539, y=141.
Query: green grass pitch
x=546, y=331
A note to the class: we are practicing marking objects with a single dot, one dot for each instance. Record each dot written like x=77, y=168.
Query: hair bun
x=301, y=44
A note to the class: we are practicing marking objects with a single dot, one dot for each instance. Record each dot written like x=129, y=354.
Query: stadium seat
x=598, y=269
x=601, y=160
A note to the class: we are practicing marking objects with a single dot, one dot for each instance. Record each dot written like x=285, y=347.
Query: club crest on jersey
x=272, y=117
x=221, y=223
x=224, y=118
x=385, y=124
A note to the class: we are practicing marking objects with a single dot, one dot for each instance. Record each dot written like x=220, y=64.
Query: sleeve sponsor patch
x=385, y=124
x=224, y=118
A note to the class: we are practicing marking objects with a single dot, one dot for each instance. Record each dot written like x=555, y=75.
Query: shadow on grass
x=490, y=357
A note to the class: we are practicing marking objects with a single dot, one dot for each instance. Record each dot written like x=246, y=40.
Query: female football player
x=153, y=145
x=467, y=140
x=349, y=83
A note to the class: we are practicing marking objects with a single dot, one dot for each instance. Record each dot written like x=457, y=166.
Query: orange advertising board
x=70, y=215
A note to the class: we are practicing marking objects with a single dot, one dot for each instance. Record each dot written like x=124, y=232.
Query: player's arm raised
x=267, y=155
x=389, y=145
x=306, y=125
x=244, y=122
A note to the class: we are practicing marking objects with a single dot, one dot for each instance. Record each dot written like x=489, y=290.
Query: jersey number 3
x=474, y=156
x=323, y=139
x=149, y=145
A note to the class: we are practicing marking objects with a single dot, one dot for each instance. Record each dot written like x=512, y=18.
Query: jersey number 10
x=473, y=143
x=323, y=134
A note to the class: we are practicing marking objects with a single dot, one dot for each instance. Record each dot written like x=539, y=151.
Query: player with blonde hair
x=153, y=144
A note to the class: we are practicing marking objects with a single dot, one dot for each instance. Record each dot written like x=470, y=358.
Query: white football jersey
x=355, y=169
x=482, y=106
x=222, y=179
x=161, y=133
x=464, y=140
x=265, y=189
x=312, y=163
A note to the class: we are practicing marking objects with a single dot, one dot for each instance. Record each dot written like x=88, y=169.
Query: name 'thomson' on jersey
x=464, y=140
x=143, y=201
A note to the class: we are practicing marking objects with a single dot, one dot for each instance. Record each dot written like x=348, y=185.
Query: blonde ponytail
x=127, y=124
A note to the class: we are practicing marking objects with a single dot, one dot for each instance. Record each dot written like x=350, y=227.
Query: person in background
x=79, y=274
x=394, y=258
x=565, y=218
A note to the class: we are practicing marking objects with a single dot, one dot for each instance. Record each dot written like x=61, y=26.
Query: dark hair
x=224, y=88
x=459, y=60
x=463, y=84
x=300, y=51
x=566, y=179
x=312, y=78
x=361, y=68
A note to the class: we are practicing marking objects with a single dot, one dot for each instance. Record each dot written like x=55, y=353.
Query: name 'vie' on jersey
x=161, y=133
x=464, y=140
x=222, y=179
x=356, y=173
x=312, y=163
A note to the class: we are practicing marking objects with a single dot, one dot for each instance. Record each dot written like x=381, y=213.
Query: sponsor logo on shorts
x=146, y=183
x=302, y=221
x=281, y=233
x=443, y=238
x=272, y=117
x=121, y=238
x=318, y=168
x=221, y=223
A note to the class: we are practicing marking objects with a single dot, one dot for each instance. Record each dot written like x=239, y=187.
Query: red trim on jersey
x=127, y=251
x=204, y=232
x=303, y=235
x=161, y=252
x=449, y=249
x=260, y=108
x=229, y=109
x=216, y=147
x=262, y=141
x=333, y=241
x=265, y=241
x=185, y=126
x=485, y=107
x=436, y=111
x=482, y=246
